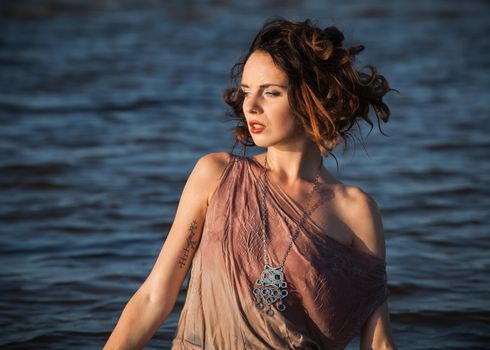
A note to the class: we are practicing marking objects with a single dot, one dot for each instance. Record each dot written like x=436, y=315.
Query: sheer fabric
x=333, y=288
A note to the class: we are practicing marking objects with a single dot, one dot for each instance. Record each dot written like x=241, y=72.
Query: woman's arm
x=155, y=299
x=364, y=220
x=376, y=333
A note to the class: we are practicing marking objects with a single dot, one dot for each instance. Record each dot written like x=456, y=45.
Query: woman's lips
x=256, y=127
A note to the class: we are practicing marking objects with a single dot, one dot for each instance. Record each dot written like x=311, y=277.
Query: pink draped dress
x=333, y=289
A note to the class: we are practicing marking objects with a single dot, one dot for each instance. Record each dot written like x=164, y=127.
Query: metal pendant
x=270, y=289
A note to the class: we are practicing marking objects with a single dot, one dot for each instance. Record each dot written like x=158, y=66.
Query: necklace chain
x=272, y=287
x=306, y=214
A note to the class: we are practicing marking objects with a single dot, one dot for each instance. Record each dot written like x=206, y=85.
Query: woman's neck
x=290, y=166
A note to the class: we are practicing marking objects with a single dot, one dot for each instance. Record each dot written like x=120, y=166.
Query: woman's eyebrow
x=265, y=86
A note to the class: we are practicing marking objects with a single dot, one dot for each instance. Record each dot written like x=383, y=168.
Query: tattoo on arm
x=191, y=244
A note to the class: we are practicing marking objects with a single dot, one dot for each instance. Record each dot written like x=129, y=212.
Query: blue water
x=106, y=105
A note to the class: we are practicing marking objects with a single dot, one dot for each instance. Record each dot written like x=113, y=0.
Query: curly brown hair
x=326, y=93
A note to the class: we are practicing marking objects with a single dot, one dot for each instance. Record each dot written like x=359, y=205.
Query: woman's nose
x=251, y=104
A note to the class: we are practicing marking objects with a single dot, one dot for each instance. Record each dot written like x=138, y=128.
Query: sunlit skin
x=265, y=89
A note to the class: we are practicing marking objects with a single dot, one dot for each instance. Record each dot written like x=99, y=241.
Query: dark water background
x=106, y=105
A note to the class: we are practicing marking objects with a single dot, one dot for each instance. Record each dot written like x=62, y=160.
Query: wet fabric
x=333, y=288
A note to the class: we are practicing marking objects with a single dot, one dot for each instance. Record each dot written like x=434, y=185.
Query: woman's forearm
x=138, y=322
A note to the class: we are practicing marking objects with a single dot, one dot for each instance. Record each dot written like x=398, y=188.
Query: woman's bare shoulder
x=212, y=165
x=360, y=212
x=209, y=170
x=353, y=196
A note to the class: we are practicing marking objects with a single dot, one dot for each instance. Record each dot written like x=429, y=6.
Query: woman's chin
x=260, y=143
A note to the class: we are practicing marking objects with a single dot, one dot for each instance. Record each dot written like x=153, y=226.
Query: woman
x=284, y=256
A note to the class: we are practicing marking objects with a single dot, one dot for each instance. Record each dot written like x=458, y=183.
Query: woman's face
x=266, y=106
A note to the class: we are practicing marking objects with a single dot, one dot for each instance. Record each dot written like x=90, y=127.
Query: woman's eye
x=273, y=93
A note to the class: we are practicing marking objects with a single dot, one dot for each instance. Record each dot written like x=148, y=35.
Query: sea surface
x=105, y=106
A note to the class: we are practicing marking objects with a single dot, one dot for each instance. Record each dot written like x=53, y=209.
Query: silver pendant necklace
x=271, y=288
